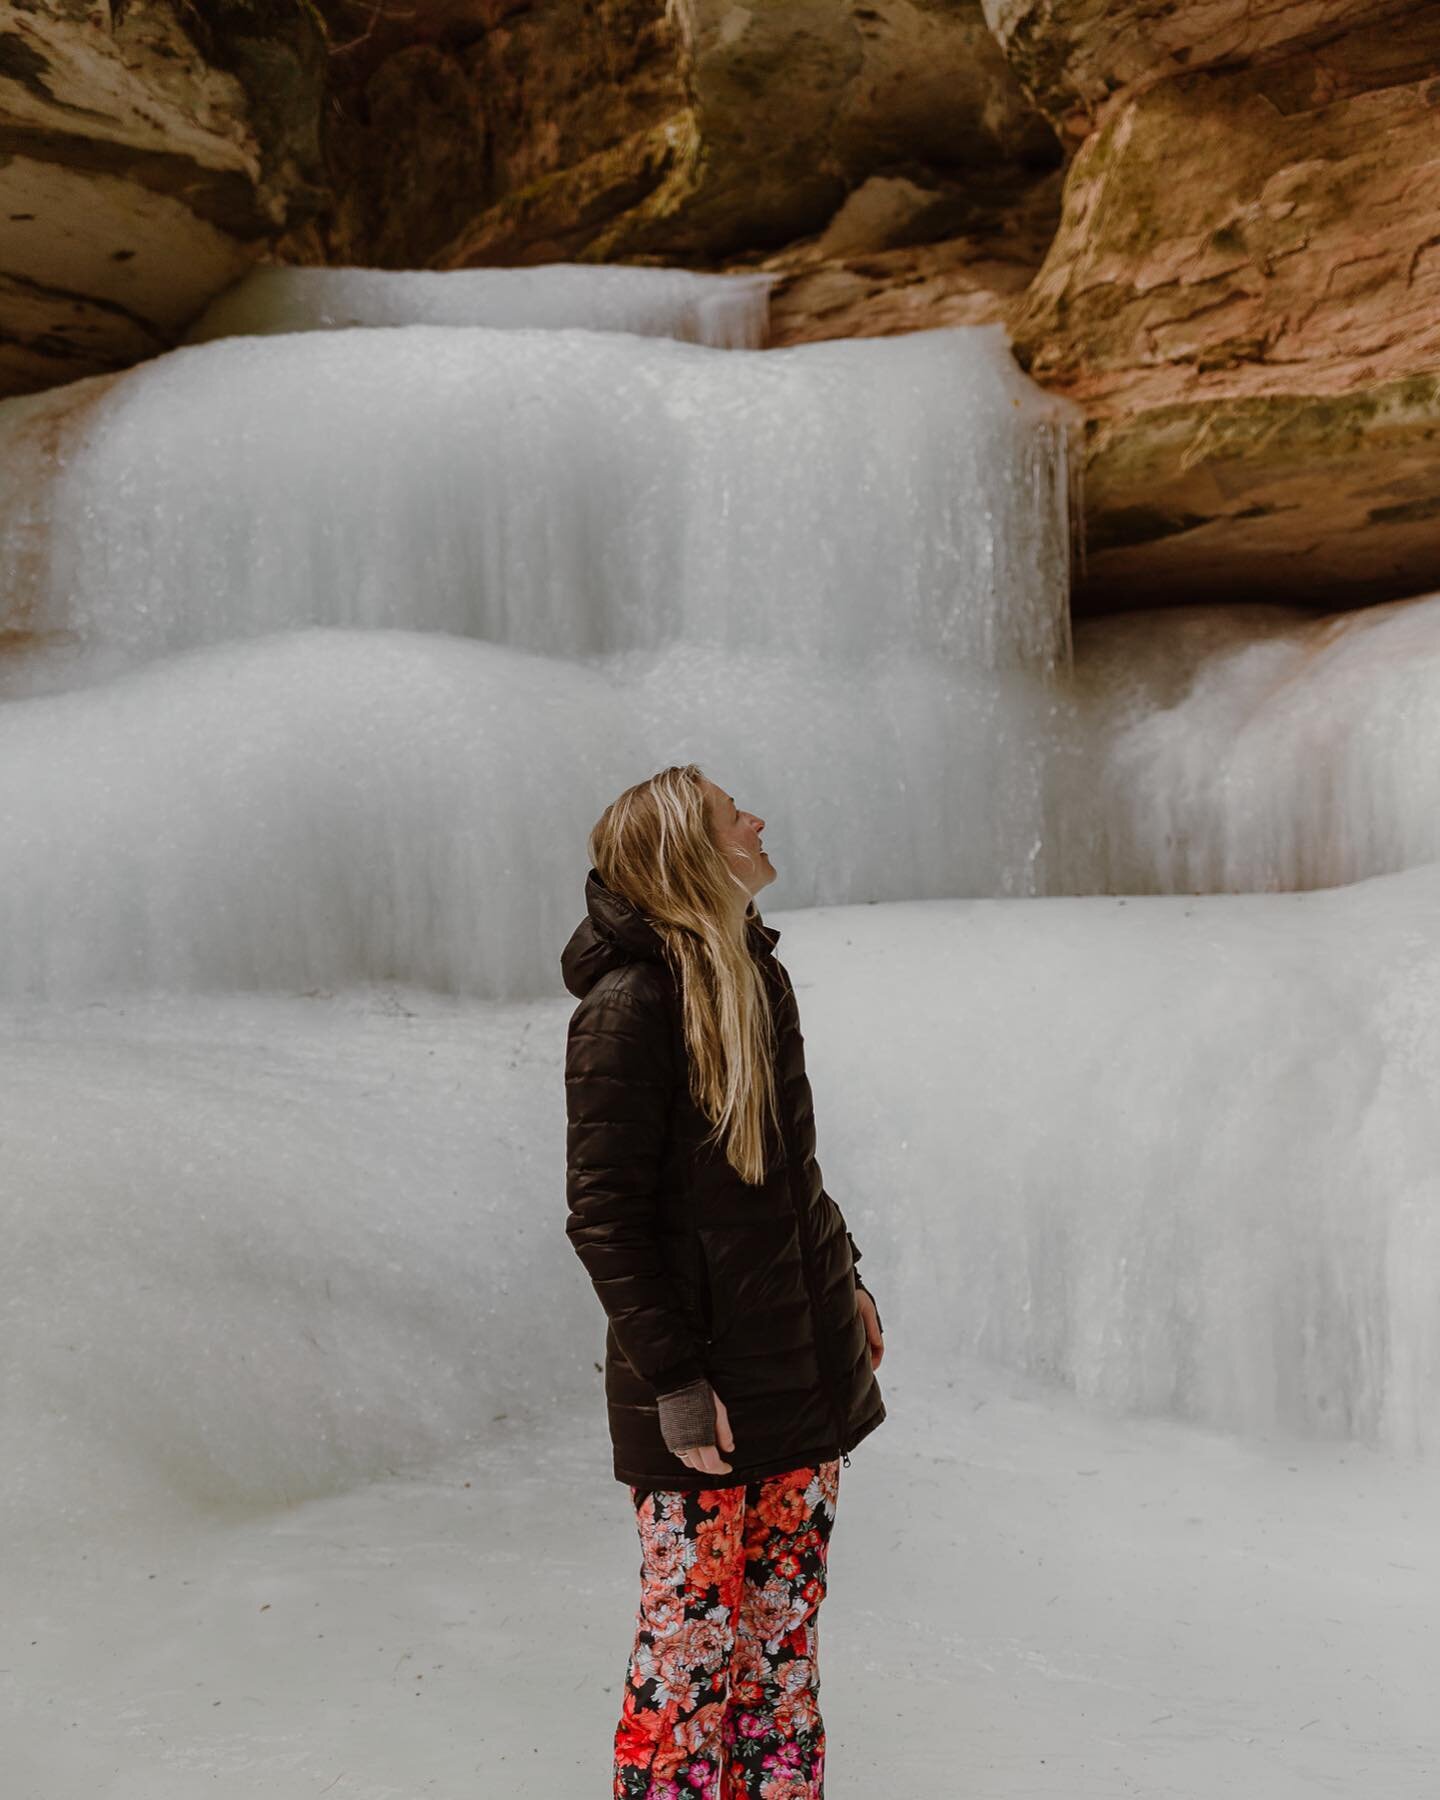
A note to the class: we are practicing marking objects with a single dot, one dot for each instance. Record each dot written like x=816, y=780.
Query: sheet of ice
x=319, y=808
x=567, y=492
x=1243, y=748
x=1178, y=1154
x=261, y=1249
x=1022, y=1602
x=1181, y=1157
x=730, y=312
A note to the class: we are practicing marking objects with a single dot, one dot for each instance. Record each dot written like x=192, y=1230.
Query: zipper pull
x=845, y=1458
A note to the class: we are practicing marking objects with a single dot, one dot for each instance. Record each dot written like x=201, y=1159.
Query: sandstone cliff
x=1244, y=293
x=150, y=151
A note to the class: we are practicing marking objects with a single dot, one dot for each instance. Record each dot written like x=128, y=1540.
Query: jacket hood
x=615, y=932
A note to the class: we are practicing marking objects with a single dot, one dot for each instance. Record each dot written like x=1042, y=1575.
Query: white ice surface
x=568, y=492
x=264, y=1250
x=1249, y=748
x=327, y=807
x=729, y=312
x=1180, y=1156
x=1024, y=1603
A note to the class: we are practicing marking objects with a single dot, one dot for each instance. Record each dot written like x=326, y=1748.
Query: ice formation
x=1249, y=748
x=328, y=807
x=567, y=492
x=1177, y=1156
x=326, y=648
x=730, y=312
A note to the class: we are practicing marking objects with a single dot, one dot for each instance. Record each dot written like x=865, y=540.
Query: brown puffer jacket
x=699, y=1272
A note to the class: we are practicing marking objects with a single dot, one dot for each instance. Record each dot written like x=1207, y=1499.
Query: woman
x=740, y=1348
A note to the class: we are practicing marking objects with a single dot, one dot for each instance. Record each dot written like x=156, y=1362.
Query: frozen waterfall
x=568, y=492
x=307, y=632
x=327, y=636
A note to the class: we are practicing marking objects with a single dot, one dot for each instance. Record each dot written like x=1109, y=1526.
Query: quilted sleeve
x=618, y=1094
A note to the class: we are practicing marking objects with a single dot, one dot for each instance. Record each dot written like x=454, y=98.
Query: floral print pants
x=721, y=1689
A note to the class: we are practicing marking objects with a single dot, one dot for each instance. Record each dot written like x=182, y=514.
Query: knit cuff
x=687, y=1417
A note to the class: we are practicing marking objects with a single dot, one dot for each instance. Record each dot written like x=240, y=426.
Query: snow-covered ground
x=1024, y=1603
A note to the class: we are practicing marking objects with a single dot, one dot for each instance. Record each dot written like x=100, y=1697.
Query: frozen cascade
x=1179, y=1154
x=200, y=789
x=730, y=312
x=571, y=493
x=324, y=808
x=1249, y=748
x=310, y=631
x=1176, y=1155
x=323, y=648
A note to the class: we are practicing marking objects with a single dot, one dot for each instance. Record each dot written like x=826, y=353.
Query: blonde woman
x=740, y=1348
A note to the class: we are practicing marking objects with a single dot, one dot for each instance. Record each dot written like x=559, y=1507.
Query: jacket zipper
x=707, y=1322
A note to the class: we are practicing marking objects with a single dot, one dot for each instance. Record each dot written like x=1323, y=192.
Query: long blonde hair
x=652, y=845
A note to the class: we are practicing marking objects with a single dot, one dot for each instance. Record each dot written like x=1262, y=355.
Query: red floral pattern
x=721, y=1689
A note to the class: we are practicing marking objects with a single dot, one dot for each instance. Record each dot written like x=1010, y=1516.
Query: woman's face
x=738, y=835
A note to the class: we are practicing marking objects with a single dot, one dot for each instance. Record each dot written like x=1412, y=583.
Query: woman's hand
x=872, y=1327
x=707, y=1458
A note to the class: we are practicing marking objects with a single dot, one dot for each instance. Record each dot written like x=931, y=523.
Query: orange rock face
x=1079, y=59
x=147, y=152
x=474, y=131
x=1244, y=293
x=862, y=278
